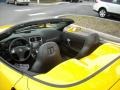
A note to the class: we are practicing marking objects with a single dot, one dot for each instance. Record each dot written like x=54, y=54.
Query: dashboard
x=35, y=38
x=40, y=36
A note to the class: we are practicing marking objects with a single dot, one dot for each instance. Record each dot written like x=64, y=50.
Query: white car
x=107, y=7
x=16, y=2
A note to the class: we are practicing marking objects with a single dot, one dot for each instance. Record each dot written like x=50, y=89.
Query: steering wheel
x=20, y=49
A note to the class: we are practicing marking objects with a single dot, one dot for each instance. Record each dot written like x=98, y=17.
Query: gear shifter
x=35, y=46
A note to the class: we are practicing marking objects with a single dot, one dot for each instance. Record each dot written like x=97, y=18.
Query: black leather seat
x=90, y=42
x=48, y=57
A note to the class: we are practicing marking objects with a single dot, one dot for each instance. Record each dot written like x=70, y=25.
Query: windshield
x=44, y=26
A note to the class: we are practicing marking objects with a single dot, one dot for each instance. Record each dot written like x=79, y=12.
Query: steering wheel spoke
x=28, y=48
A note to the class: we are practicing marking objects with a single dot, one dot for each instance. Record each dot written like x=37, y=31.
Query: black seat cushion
x=48, y=57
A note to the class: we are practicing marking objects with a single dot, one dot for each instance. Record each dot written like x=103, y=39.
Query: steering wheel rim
x=20, y=51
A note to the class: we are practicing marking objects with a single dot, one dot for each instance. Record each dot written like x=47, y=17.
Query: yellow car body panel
x=94, y=72
x=116, y=86
x=72, y=74
x=98, y=71
x=8, y=77
x=4, y=27
x=22, y=84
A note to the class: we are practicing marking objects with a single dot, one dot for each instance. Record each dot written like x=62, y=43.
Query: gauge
x=32, y=39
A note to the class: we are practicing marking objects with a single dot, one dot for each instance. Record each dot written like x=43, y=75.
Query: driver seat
x=48, y=57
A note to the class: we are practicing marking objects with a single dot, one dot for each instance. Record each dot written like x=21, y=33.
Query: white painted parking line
x=35, y=14
x=21, y=10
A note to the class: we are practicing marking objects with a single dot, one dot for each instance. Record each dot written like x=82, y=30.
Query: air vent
x=38, y=38
x=32, y=39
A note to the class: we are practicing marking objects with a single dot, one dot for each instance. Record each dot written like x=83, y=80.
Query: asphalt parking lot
x=12, y=14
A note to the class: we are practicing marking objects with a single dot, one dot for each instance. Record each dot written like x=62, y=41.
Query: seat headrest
x=92, y=39
x=48, y=50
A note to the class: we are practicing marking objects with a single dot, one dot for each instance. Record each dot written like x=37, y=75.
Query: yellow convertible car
x=40, y=55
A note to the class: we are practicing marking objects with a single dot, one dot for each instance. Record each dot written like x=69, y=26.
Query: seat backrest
x=48, y=57
x=90, y=42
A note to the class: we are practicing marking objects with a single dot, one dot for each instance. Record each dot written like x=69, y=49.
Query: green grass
x=99, y=24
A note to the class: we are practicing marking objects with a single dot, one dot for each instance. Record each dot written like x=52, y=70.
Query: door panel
x=8, y=77
x=74, y=41
x=71, y=44
x=114, y=7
